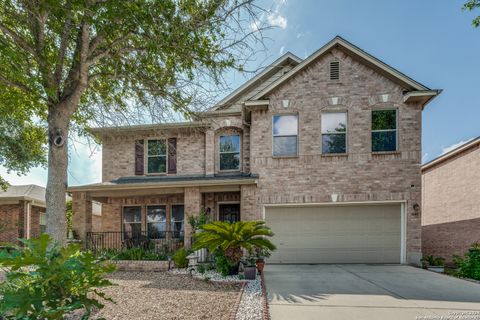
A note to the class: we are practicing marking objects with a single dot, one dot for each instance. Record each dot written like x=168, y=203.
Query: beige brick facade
x=308, y=178
x=451, y=206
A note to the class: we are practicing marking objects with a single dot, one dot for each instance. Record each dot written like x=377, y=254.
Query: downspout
x=28, y=214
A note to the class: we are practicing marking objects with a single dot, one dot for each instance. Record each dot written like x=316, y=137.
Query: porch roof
x=160, y=182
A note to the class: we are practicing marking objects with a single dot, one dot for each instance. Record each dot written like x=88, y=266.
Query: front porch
x=152, y=212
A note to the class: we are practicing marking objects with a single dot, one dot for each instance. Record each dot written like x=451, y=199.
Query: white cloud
x=454, y=146
x=275, y=19
x=424, y=157
x=282, y=50
x=299, y=35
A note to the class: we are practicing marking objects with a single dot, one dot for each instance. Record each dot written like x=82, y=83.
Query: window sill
x=228, y=171
x=155, y=174
x=285, y=157
x=327, y=155
x=380, y=153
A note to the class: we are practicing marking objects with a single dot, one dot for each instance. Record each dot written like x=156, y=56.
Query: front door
x=229, y=212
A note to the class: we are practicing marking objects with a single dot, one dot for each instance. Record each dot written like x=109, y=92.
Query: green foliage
x=222, y=264
x=46, y=281
x=196, y=222
x=132, y=254
x=69, y=215
x=180, y=258
x=432, y=261
x=230, y=238
x=469, y=265
x=201, y=269
x=472, y=5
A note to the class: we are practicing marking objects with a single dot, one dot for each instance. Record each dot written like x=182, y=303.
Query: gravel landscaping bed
x=158, y=295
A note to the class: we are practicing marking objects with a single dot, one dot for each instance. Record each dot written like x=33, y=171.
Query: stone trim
x=266, y=312
x=233, y=314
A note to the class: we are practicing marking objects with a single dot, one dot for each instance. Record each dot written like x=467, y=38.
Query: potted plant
x=250, y=269
x=231, y=239
x=436, y=264
x=261, y=254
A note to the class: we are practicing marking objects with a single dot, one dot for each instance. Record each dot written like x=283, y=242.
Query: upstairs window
x=156, y=156
x=156, y=222
x=285, y=135
x=384, y=130
x=334, y=70
x=230, y=152
x=334, y=132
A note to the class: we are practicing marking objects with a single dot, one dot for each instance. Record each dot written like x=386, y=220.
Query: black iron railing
x=163, y=242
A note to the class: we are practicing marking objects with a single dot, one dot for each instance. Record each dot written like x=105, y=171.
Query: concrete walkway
x=371, y=292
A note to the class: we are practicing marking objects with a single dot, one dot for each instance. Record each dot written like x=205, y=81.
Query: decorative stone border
x=233, y=314
x=266, y=313
x=140, y=265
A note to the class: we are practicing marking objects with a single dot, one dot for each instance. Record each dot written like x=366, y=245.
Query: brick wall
x=11, y=222
x=35, y=221
x=358, y=176
x=451, y=206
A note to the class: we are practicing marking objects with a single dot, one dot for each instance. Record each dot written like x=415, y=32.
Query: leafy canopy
x=470, y=6
x=46, y=281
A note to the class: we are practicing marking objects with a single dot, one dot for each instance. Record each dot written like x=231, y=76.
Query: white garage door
x=336, y=234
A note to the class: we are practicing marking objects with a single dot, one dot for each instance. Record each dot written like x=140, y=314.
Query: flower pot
x=250, y=273
x=233, y=270
x=439, y=269
x=260, y=265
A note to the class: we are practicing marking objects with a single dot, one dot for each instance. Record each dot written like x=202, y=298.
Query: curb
x=266, y=313
x=233, y=314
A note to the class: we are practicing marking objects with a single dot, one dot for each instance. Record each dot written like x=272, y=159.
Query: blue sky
x=429, y=40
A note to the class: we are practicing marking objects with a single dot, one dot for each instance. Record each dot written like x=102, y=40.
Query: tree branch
x=19, y=41
x=57, y=77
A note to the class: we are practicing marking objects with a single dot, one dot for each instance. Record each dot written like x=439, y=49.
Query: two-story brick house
x=327, y=150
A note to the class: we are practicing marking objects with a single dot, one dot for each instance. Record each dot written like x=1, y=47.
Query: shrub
x=201, y=269
x=469, y=265
x=222, y=265
x=46, y=281
x=432, y=261
x=230, y=238
x=198, y=221
x=180, y=258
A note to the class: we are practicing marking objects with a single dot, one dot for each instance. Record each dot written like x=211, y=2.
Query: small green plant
x=180, y=258
x=431, y=261
x=469, y=264
x=47, y=281
x=201, y=269
x=223, y=265
x=196, y=222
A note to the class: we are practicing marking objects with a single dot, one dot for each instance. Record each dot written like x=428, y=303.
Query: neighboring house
x=451, y=201
x=22, y=212
x=327, y=150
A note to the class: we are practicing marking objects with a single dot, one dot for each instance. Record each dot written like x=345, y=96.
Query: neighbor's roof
x=29, y=192
x=475, y=143
x=369, y=60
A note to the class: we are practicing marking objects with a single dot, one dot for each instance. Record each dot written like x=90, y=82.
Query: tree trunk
x=58, y=123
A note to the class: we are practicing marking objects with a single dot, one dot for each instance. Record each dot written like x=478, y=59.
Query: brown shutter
x=172, y=155
x=139, y=160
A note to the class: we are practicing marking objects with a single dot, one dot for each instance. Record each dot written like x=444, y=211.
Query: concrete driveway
x=366, y=292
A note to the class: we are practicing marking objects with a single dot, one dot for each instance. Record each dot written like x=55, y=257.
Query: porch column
x=209, y=153
x=192, y=202
x=249, y=207
x=82, y=214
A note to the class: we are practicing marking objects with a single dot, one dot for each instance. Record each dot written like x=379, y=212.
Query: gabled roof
x=342, y=44
x=287, y=58
x=29, y=192
x=473, y=143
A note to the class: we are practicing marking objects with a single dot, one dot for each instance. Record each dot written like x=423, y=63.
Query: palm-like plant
x=230, y=238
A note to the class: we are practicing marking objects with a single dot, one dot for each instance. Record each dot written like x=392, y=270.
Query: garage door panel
x=336, y=234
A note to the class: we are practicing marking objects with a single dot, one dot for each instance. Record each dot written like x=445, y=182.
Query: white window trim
x=146, y=156
x=166, y=219
x=226, y=152
x=346, y=133
x=384, y=130
x=285, y=135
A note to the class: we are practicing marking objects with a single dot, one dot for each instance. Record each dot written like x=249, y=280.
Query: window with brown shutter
x=139, y=161
x=172, y=155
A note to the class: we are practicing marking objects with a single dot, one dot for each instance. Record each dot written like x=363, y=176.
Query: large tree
x=67, y=63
